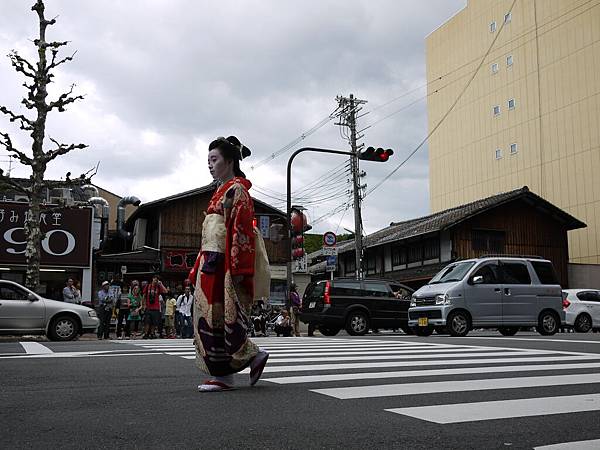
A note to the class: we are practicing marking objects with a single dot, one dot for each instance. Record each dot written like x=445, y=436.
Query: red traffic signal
x=378, y=155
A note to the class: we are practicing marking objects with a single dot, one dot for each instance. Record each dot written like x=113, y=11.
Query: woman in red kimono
x=224, y=274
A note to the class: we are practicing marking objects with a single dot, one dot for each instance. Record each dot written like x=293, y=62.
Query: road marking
x=429, y=373
x=453, y=362
x=340, y=351
x=525, y=339
x=389, y=390
x=35, y=348
x=503, y=409
x=578, y=445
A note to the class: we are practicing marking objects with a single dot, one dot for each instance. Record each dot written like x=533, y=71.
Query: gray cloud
x=163, y=78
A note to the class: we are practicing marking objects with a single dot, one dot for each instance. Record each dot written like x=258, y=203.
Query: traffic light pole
x=289, y=202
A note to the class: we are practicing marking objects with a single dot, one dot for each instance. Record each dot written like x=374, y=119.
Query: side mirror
x=477, y=279
x=32, y=297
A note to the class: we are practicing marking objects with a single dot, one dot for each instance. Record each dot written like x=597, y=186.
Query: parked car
x=356, y=305
x=24, y=312
x=582, y=309
x=490, y=292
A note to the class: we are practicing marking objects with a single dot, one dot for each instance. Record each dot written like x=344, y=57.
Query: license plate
x=423, y=321
x=312, y=305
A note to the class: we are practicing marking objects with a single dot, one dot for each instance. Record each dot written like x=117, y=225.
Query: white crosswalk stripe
x=339, y=369
x=348, y=361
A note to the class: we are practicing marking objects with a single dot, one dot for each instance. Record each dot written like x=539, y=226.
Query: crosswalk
x=401, y=369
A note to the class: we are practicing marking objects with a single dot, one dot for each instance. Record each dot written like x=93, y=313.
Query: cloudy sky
x=162, y=78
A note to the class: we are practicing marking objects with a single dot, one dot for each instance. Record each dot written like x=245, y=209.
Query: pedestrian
x=224, y=274
x=135, y=310
x=161, y=322
x=184, y=303
x=152, y=296
x=122, y=307
x=104, y=309
x=295, y=305
x=170, y=305
x=70, y=293
x=283, y=325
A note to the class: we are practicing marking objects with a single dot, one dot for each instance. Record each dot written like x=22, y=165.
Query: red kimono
x=223, y=275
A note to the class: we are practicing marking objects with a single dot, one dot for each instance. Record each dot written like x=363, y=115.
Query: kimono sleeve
x=241, y=234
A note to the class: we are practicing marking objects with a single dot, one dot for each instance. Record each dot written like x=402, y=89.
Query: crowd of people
x=144, y=310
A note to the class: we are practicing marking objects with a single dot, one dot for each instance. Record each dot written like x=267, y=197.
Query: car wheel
x=583, y=323
x=357, y=323
x=423, y=331
x=508, y=331
x=63, y=328
x=548, y=323
x=458, y=324
x=329, y=331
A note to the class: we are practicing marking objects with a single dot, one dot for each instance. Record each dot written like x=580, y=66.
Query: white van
x=489, y=292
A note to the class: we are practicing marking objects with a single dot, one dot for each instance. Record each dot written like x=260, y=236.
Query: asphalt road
x=379, y=391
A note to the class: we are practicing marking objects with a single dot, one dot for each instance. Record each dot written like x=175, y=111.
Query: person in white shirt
x=185, y=302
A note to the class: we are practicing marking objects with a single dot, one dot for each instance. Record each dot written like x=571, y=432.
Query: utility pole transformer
x=349, y=107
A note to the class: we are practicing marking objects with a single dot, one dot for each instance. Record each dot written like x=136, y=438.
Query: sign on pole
x=329, y=239
x=331, y=264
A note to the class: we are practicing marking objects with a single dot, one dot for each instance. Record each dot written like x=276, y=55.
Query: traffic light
x=373, y=154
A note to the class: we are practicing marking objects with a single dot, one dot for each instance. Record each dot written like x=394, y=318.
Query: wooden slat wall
x=528, y=232
x=181, y=227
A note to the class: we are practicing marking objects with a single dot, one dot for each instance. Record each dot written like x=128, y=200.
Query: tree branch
x=26, y=123
x=6, y=142
x=61, y=149
x=21, y=64
x=64, y=100
x=55, y=63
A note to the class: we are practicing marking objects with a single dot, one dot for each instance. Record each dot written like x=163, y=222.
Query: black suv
x=356, y=305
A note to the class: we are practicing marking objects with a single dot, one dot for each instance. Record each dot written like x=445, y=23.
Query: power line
x=449, y=110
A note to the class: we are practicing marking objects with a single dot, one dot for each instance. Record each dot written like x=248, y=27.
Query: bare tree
x=38, y=76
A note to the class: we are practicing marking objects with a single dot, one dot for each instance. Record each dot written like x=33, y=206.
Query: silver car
x=582, y=309
x=489, y=292
x=24, y=312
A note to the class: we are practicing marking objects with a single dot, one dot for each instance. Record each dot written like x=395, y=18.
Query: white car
x=24, y=312
x=582, y=309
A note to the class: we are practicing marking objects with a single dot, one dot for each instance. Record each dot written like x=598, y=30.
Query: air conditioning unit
x=21, y=198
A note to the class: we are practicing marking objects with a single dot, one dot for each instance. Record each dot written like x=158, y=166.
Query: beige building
x=531, y=114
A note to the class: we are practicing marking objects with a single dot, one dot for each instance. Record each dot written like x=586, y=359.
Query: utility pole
x=349, y=107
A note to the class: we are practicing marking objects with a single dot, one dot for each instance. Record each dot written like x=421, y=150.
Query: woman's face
x=219, y=168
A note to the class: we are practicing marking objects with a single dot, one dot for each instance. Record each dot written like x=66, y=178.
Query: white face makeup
x=219, y=168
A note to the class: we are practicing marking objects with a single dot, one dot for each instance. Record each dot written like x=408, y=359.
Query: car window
x=586, y=296
x=400, y=292
x=377, y=289
x=489, y=272
x=314, y=290
x=515, y=273
x=594, y=296
x=453, y=272
x=349, y=288
x=10, y=292
x=545, y=272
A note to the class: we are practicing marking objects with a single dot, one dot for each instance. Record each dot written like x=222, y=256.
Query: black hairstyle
x=232, y=150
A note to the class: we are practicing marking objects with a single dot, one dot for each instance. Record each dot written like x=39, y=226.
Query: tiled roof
x=450, y=217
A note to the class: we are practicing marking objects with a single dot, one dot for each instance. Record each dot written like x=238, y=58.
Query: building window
x=431, y=249
x=496, y=110
x=415, y=253
x=488, y=241
x=509, y=60
x=371, y=263
x=511, y=103
x=494, y=68
x=398, y=256
x=507, y=17
x=492, y=27
x=513, y=148
x=498, y=153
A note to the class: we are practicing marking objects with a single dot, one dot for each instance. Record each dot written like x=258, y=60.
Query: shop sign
x=179, y=260
x=67, y=237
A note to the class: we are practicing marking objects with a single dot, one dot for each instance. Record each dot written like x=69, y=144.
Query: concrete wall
x=584, y=276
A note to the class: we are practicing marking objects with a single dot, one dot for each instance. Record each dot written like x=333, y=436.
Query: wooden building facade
x=513, y=223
